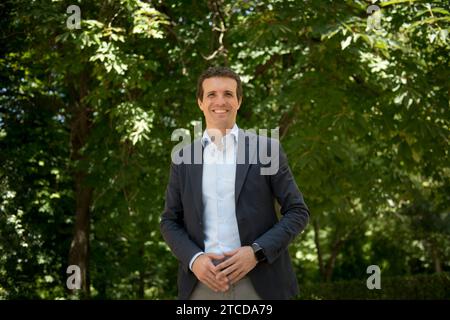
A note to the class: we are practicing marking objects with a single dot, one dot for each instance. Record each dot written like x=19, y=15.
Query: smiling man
x=220, y=219
x=219, y=98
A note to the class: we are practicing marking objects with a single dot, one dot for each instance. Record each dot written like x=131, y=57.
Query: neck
x=218, y=131
x=216, y=134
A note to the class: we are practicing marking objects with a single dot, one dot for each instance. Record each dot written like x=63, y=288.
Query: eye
x=229, y=94
x=210, y=95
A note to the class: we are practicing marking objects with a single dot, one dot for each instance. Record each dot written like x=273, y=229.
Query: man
x=219, y=219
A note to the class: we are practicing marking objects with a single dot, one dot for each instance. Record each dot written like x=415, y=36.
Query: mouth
x=220, y=111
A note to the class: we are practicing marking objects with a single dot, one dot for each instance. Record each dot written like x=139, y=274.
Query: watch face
x=259, y=252
x=259, y=255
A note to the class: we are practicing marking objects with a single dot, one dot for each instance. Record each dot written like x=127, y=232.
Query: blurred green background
x=86, y=117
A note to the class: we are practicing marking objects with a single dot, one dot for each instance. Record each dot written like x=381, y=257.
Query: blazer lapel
x=245, y=156
x=196, y=177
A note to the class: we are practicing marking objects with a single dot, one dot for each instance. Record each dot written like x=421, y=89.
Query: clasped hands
x=219, y=277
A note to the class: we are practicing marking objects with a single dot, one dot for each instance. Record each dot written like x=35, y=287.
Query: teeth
x=220, y=111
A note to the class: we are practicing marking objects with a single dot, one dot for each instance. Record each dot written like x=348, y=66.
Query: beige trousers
x=242, y=290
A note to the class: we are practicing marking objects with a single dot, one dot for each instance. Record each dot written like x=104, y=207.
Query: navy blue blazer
x=255, y=194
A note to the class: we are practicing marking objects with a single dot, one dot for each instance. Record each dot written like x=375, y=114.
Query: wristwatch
x=259, y=252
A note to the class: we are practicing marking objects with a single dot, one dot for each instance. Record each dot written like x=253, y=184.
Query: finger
x=219, y=282
x=237, y=277
x=227, y=263
x=233, y=275
x=223, y=265
x=211, y=276
x=231, y=253
x=227, y=271
x=219, y=286
x=212, y=268
x=223, y=283
x=211, y=285
x=215, y=256
x=224, y=287
x=237, y=274
x=211, y=281
x=222, y=277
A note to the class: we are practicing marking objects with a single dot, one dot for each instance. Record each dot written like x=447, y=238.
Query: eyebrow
x=226, y=91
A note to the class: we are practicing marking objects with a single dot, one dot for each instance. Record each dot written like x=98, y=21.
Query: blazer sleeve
x=295, y=213
x=172, y=224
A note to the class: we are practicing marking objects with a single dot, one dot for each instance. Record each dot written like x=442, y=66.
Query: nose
x=220, y=100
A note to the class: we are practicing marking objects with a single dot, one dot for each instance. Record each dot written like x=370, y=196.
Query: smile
x=220, y=111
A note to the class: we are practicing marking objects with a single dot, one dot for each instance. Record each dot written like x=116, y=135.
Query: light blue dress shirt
x=218, y=185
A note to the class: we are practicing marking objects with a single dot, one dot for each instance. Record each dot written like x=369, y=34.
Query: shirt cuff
x=193, y=259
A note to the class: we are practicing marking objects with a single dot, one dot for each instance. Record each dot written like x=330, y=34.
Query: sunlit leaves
x=345, y=43
x=133, y=123
x=148, y=21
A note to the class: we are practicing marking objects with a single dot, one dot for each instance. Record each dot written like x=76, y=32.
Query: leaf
x=62, y=37
x=345, y=43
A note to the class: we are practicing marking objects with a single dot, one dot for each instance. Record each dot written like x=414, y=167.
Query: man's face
x=220, y=103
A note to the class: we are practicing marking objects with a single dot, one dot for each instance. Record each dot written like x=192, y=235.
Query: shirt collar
x=206, y=139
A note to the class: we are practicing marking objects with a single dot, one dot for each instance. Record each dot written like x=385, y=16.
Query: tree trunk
x=80, y=127
x=331, y=263
x=141, y=289
x=79, y=248
x=318, y=248
x=435, y=257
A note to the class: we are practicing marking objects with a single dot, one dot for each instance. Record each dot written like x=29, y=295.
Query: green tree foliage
x=86, y=117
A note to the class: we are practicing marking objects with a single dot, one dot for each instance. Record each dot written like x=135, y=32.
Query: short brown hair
x=224, y=72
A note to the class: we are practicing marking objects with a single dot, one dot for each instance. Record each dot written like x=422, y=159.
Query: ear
x=200, y=104
x=239, y=104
